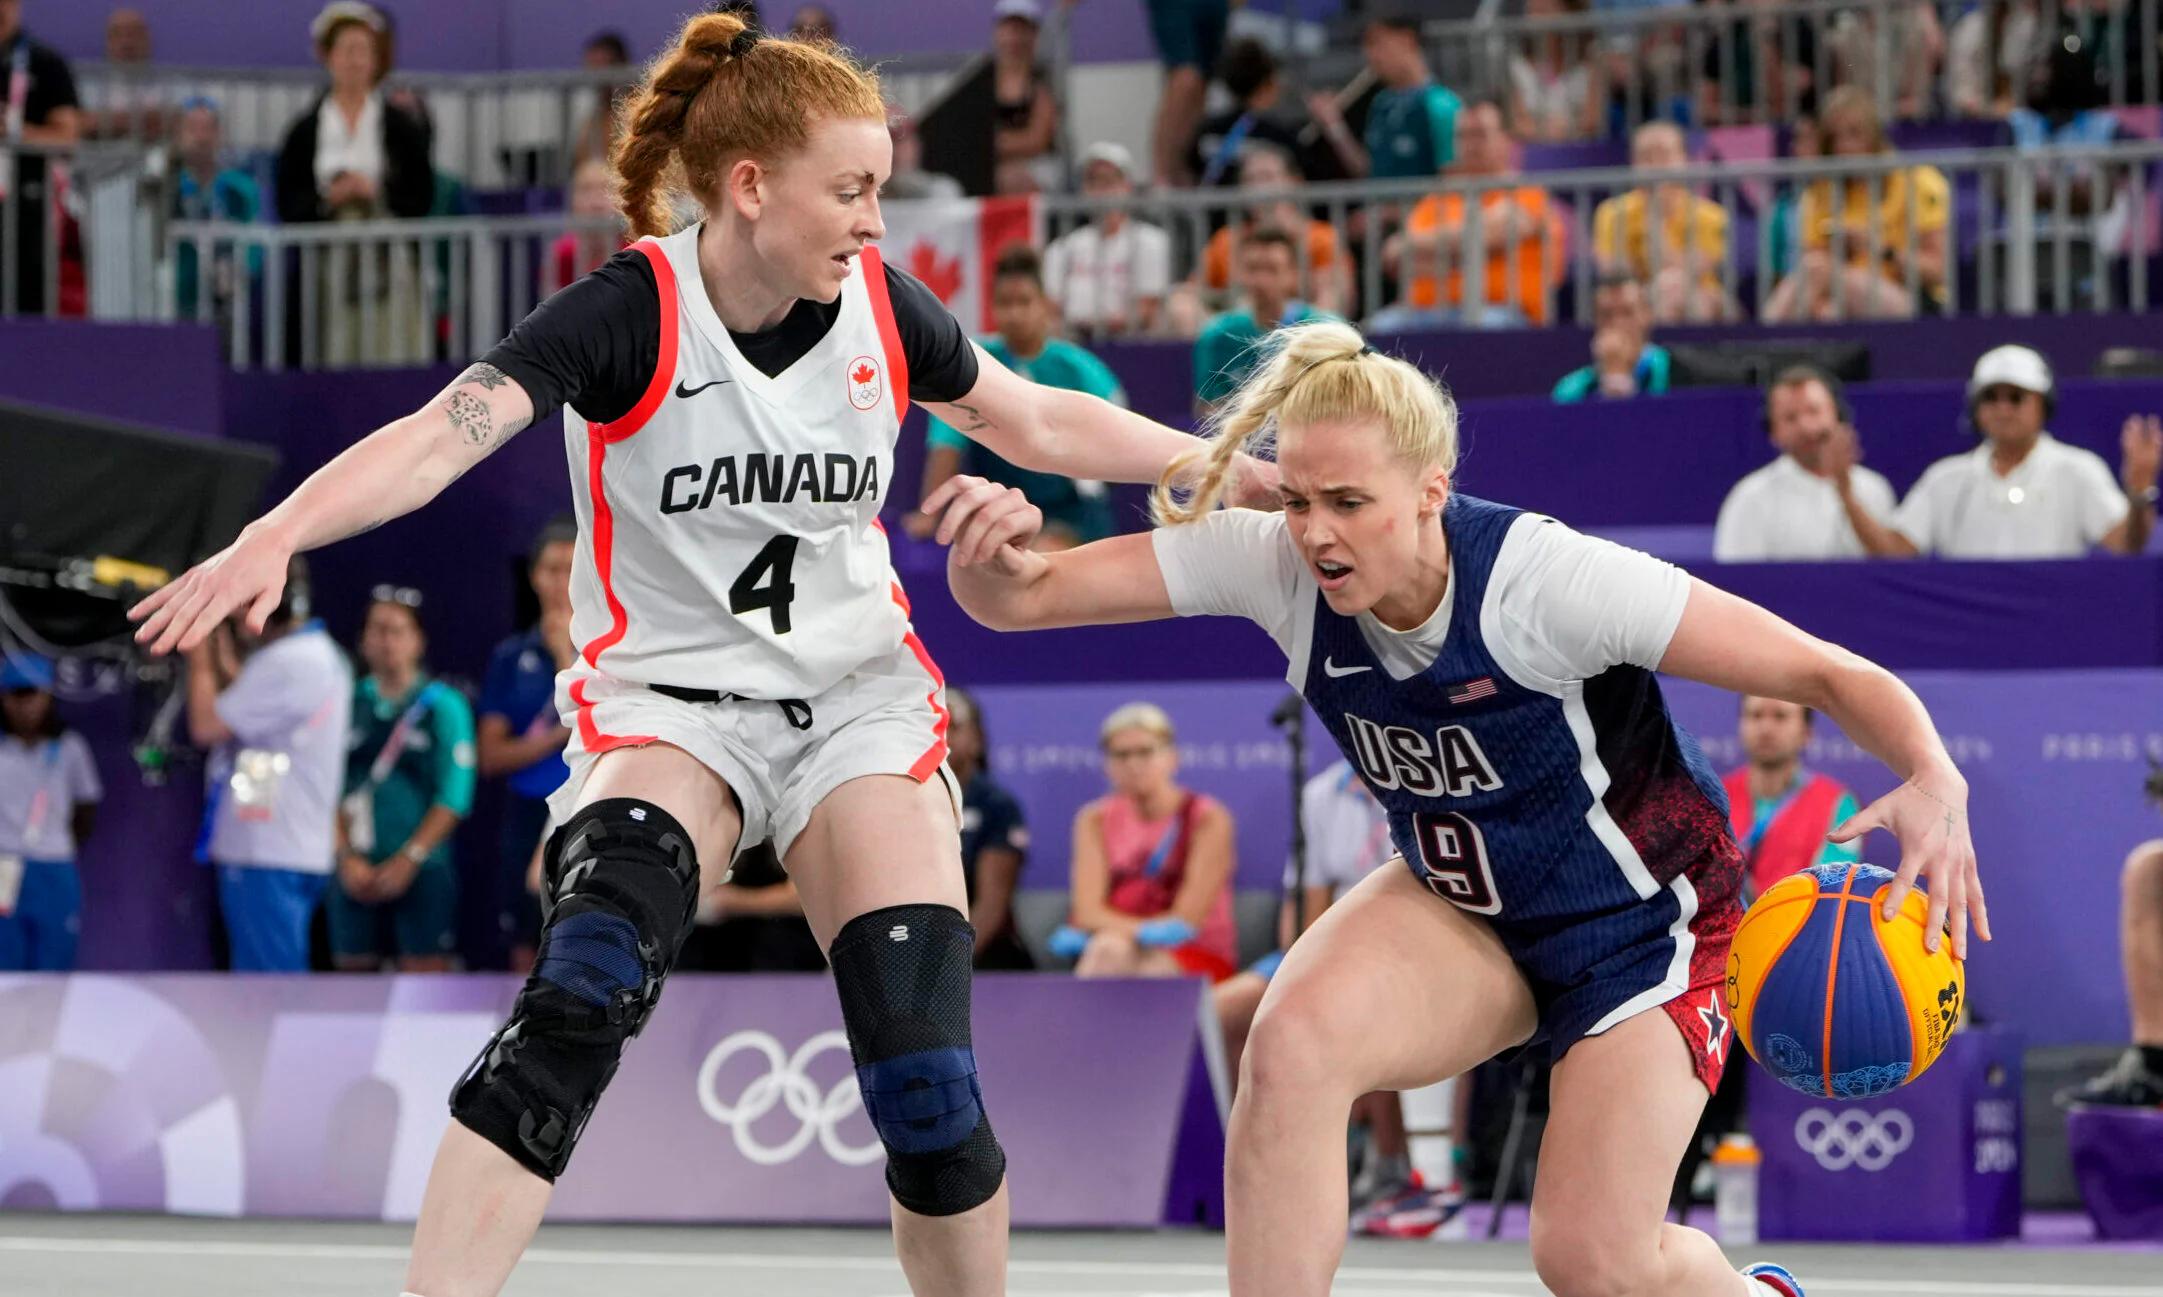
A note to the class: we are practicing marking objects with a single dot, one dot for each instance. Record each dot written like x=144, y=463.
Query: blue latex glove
x=1164, y=934
x=1266, y=967
x=1068, y=942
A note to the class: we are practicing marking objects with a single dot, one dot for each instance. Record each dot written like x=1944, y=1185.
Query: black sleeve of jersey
x=942, y=364
x=592, y=346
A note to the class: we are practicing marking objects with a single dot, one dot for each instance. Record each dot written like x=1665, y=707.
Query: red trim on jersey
x=664, y=369
x=882, y=311
x=600, y=436
x=936, y=753
x=590, y=736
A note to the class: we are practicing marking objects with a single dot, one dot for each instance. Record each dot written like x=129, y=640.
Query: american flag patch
x=1473, y=690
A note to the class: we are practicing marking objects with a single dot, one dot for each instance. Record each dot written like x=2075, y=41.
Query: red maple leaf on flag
x=863, y=373
x=942, y=275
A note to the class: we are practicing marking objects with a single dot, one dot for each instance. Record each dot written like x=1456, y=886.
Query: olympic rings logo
x=1854, y=1137
x=786, y=1083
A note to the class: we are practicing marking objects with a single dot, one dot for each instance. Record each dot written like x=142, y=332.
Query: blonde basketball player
x=1570, y=882
x=746, y=671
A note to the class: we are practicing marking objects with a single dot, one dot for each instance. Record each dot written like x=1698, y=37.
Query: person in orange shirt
x=1905, y=211
x=1522, y=235
x=1269, y=176
x=1664, y=235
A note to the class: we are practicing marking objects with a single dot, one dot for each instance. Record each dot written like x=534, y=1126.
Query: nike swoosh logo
x=681, y=390
x=1335, y=672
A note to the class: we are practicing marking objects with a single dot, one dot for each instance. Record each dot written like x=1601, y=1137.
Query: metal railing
x=1738, y=63
x=2057, y=231
x=50, y=195
x=492, y=130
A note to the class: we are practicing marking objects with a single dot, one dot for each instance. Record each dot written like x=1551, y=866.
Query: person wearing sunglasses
x=409, y=777
x=2021, y=493
x=49, y=795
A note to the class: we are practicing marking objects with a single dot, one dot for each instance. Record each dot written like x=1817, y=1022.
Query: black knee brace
x=622, y=883
x=903, y=975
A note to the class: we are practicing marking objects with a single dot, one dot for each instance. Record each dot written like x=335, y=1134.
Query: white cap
x=2013, y=366
x=1108, y=151
x=1028, y=11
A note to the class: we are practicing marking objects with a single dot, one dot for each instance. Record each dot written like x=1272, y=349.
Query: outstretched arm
x=1734, y=644
x=392, y=471
x=1074, y=434
x=1005, y=585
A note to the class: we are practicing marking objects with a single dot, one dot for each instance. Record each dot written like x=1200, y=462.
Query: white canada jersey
x=728, y=524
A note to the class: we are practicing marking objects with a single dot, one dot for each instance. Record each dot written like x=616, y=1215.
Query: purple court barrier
x=325, y=1097
x=1935, y=1162
x=2118, y=1163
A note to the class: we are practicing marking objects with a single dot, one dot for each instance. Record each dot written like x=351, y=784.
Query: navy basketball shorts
x=1668, y=952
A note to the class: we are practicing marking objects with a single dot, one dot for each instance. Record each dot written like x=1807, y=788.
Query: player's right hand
x=984, y=523
x=249, y=573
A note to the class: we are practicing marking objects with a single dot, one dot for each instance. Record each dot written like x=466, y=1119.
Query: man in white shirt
x=1110, y=276
x=2022, y=493
x=275, y=709
x=1791, y=509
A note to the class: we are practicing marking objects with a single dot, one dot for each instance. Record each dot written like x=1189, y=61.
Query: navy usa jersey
x=1523, y=751
x=1509, y=799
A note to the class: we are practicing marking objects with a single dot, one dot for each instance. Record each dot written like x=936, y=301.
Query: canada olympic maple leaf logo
x=942, y=275
x=865, y=388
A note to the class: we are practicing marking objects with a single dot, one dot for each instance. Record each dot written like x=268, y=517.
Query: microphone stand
x=1291, y=717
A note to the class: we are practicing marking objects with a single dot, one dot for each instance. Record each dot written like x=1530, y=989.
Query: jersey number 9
x=1453, y=858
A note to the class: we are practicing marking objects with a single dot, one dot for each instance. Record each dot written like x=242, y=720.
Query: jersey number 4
x=1453, y=857
x=766, y=583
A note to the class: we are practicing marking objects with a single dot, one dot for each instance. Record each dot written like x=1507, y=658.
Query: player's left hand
x=983, y=521
x=1254, y=484
x=1928, y=816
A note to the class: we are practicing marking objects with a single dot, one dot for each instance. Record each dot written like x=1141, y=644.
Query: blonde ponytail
x=1319, y=370
x=723, y=92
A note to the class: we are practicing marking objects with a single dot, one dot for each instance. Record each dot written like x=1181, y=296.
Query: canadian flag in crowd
x=951, y=243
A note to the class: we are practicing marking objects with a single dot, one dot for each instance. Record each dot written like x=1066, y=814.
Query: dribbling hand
x=1929, y=818
x=985, y=524
x=249, y=573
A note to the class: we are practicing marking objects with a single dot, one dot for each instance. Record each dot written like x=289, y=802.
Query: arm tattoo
x=469, y=414
x=977, y=422
x=486, y=375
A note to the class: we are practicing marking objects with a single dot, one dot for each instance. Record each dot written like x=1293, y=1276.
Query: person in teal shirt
x=1075, y=512
x=1230, y=345
x=202, y=190
x=1411, y=121
x=409, y=780
x=1626, y=361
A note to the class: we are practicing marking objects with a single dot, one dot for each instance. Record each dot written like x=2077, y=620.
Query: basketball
x=1833, y=998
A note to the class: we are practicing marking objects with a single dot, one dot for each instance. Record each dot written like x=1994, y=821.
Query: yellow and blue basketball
x=1833, y=998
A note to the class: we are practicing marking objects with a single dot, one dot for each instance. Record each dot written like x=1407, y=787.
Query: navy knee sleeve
x=903, y=976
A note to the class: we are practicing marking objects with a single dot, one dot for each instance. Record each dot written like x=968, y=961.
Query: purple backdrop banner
x=165, y=376
x=325, y=1097
x=2054, y=761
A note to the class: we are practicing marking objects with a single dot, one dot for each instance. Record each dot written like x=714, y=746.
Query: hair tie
x=1366, y=350
x=741, y=43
